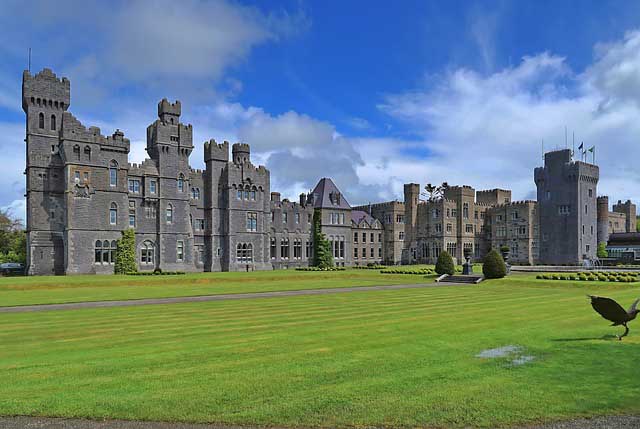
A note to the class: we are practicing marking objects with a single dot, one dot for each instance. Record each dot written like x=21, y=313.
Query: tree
x=13, y=239
x=494, y=266
x=444, y=265
x=602, y=250
x=322, y=257
x=126, y=253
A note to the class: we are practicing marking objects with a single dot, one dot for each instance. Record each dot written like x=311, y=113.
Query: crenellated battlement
x=169, y=112
x=73, y=130
x=45, y=90
x=216, y=152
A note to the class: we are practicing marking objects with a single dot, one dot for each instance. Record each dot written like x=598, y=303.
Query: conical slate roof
x=326, y=195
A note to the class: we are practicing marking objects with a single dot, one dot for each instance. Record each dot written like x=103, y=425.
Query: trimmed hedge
x=444, y=265
x=494, y=266
x=622, y=277
x=370, y=267
x=156, y=273
x=320, y=269
x=417, y=271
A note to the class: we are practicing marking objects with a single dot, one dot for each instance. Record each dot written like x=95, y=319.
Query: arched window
x=253, y=194
x=98, y=252
x=244, y=253
x=112, y=252
x=76, y=152
x=169, y=214
x=87, y=153
x=113, y=214
x=273, y=248
x=53, y=122
x=246, y=193
x=41, y=120
x=113, y=173
x=147, y=253
x=105, y=252
x=181, y=183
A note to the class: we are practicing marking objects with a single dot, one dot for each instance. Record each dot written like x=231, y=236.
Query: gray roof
x=327, y=195
x=359, y=215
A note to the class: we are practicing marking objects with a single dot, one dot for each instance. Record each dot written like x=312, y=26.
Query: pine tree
x=322, y=257
x=444, y=265
x=126, y=253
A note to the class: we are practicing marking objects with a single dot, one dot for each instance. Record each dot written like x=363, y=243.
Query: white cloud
x=486, y=131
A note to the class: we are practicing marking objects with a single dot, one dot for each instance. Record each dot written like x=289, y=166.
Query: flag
x=581, y=146
x=592, y=148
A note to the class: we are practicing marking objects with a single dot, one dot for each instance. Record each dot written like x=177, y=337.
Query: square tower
x=567, y=208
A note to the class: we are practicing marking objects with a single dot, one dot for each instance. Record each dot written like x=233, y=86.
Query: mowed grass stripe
x=375, y=358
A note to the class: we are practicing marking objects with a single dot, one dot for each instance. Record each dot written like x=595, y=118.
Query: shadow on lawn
x=607, y=337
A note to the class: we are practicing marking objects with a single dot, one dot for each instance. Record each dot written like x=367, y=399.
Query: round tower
x=241, y=153
x=603, y=219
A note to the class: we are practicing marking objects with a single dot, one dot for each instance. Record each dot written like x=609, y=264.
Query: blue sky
x=372, y=94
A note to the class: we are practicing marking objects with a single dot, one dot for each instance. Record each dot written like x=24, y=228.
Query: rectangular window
x=180, y=251
x=284, y=217
x=372, y=250
x=134, y=186
x=355, y=253
x=85, y=176
x=514, y=215
x=252, y=222
x=76, y=177
x=564, y=209
x=469, y=228
x=297, y=217
x=449, y=227
x=379, y=237
x=371, y=237
x=132, y=220
x=379, y=252
x=113, y=177
x=239, y=194
x=399, y=218
x=342, y=249
x=152, y=186
x=355, y=237
x=364, y=253
x=364, y=237
x=401, y=235
x=200, y=225
x=590, y=193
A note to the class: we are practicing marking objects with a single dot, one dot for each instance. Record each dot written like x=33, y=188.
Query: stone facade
x=82, y=193
x=567, y=208
x=391, y=217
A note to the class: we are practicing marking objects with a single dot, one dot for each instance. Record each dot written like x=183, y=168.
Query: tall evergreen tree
x=322, y=257
x=126, y=253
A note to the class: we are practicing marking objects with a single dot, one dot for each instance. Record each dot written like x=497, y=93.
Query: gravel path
x=204, y=298
x=613, y=422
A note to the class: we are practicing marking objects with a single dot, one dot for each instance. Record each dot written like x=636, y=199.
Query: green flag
x=592, y=148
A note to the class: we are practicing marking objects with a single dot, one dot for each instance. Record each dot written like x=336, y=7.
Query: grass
x=56, y=289
x=388, y=358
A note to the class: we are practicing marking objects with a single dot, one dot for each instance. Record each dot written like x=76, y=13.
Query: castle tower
x=241, y=153
x=216, y=157
x=629, y=210
x=567, y=208
x=603, y=219
x=411, y=199
x=45, y=98
x=169, y=144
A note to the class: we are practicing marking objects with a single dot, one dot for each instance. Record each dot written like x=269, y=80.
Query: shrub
x=602, y=250
x=126, y=253
x=494, y=266
x=321, y=246
x=444, y=265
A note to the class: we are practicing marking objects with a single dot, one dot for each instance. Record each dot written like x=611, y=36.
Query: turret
x=603, y=219
x=241, y=153
x=216, y=152
x=169, y=113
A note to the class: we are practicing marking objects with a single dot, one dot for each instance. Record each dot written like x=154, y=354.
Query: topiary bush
x=494, y=266
x=323, y=257
x=126, y=253
x=444, y=265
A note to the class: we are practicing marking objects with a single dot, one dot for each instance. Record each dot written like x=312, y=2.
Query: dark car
x=11, y=269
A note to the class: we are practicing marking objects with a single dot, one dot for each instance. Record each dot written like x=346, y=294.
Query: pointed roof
x=326, y=195
x=358, y=216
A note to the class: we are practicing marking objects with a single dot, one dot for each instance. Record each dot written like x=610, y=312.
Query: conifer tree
x=322, y=257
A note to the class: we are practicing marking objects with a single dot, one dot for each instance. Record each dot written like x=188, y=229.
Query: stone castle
x=82, y=193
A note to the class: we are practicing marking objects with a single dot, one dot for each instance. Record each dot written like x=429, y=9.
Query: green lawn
x=388, y=358
x=61, y=289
